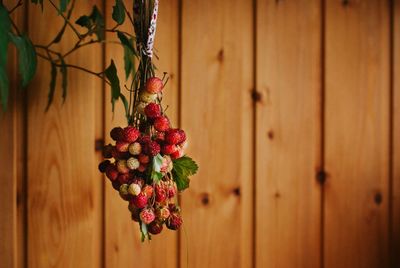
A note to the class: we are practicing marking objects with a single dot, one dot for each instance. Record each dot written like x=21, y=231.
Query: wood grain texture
x=288, y=134
x=357, y=134
x=216, y=113
x=12, y=156
x=395, y=212
x=64, y=205
x=123, y=244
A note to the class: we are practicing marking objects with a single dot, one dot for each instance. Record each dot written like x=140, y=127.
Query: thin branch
x=114, y=31
x=129, y=15
x=65, y=23
x=66, y=19
x=15, y=7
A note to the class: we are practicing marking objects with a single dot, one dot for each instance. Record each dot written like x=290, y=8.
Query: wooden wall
x=293, y=113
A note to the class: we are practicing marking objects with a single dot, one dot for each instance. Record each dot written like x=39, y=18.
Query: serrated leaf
x=52, y=88
x=27, y=60
x=64, y=81
x=5, y=25
x=112, y=76
x=63, y=5
x=183, y=168
x=118, y=13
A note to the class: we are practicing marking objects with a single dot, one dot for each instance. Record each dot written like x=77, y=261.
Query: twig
x=66, y=20
x=15, y=7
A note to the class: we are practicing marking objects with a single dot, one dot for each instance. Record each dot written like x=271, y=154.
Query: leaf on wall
x=118, y=13
x=63, y=5
x=5, y=25
x=112, y=76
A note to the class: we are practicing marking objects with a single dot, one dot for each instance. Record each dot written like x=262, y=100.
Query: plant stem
x=15, y=7
x=66, y=20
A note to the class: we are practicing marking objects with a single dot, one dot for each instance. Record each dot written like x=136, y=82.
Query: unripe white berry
x=140, y=107
x=123, y=189
x=135, y=148
x=132, y=163
x=147, y=97
x=134, y=189
x=122, y=166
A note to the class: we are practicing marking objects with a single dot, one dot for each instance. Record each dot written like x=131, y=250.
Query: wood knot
x=277, y=195
x=378, y=198
x=236, y=191
x=205, y=199
x=220, y=55
x=98, y=145
x=270, y=134
x=256, y=95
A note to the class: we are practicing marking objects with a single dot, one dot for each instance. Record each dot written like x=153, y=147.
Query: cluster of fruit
x=147, y=164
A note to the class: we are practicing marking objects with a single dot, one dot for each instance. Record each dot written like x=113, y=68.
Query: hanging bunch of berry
x=147, y=164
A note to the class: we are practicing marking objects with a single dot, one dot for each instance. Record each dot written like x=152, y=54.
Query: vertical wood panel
x=357, y=134
x=288, y=133
x=395, y=216
x=64, y=206
x=12, y=203
x=216, y=113
x=123, y=244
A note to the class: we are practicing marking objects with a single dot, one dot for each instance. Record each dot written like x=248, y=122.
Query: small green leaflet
x=183, y=168
x=112, y=76
x=63, y=5
x=156, y=174
x=5, y=25
x=27, y=60
x=129, y=53
x=94, y=23
x=52, y=85
x=118, y=13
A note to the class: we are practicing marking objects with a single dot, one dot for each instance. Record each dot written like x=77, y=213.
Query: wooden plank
x=395, y=212
x=288, y=133
x=357, y=134
x=12, y=196
x=123, y=244
x=216, y=113
x=64, y=205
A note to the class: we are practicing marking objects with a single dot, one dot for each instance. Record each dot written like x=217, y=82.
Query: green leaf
x=5, y=27
x=27, y=60
x=126, y=42
x=112, y=76
x=118, y=13
x=64, y=76
x=126, y=106
x=63, y=5
x=38, y=2
x=129, y=53
x=183, y=168
x=144, y=232
x=156, y=174
x=84, y=21
x=52, y=85
x=94, y=23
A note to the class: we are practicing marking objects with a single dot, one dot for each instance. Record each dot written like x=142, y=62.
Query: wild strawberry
x=172, y=136
x=142, y=168
x=182, y=135
x=124, y=178
x=132, y=163
x=161, y=195
x=169, y=148
x=139, y=181
x=147, y=215
x=131, y=134
x=178, y=154
x=147, y=97
x=135, y=148
x=122, y=146
x=171, y=191
x=143, y=159
x=112, y=172
x=107, y=151
x=140, y=107
x=119, y=155
x=161, y=123
x=134, y=189
x=152, y=148
x=160, y=137
x=154, y=85
x=162, y=213
x=139, y=201
x=148, y=191
x=174, y=221
x=152, y=110
x=117, y=133
x=103, y=165
x=122, y=167
x=155, y=227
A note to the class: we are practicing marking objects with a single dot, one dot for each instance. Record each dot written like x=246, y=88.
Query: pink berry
x=154, y=85
x=131, y=134
x=147, y=215
x=152, y=110
x=161, y=123
x=139, y=201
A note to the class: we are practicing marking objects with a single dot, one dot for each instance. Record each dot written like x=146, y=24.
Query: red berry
x=143, y=140
x=122, y=146
x=112, y=172
x=117, y=133
x=152, y=110
x=154, y=85
x=152, y=148
x=124, y=178
x=131, y=134
x=174, y=221
x=148, y=191
x=160, y=137
x=139, y=201
x=143, y=159
x=161, y=123
x=138, y=181
x=161, y=195
x=171, y=191
x=103, y=165
x=142, y=168
x=182, y=135
x=169, y=149
x=177, y=154
x=119, y=155
x=155, y=227
x=172, y=136
x=147, y=216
